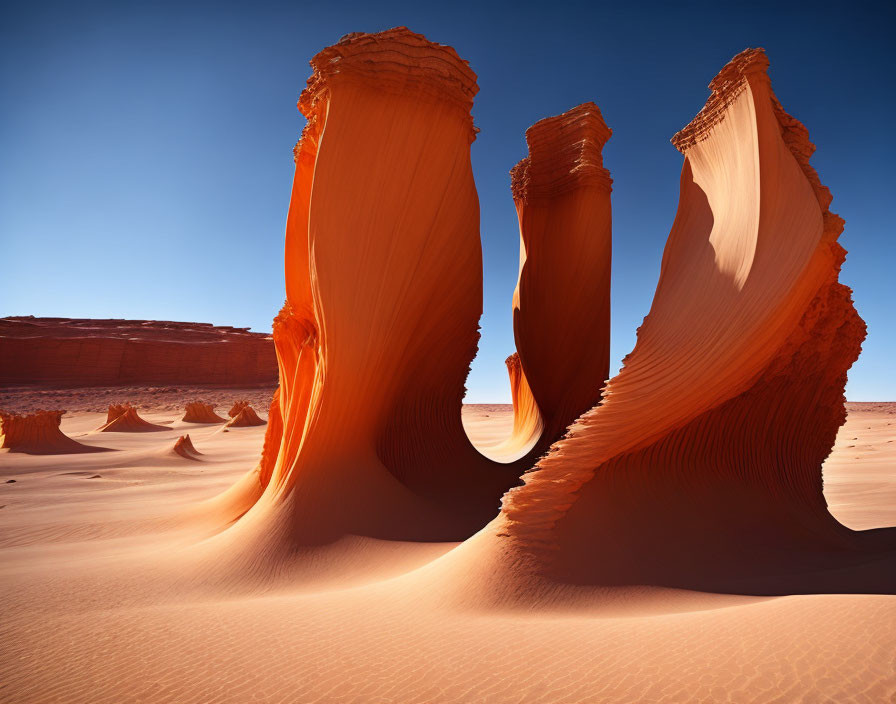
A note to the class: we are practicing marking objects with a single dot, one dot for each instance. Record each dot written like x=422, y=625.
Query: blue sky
x=146, y=148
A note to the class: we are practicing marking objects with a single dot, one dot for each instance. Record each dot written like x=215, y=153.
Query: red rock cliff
x=74, y=352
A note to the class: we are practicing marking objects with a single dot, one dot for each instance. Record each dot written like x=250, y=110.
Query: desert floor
x=103, y=596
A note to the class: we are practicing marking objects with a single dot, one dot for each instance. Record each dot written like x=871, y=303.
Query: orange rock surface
x=123, y=418
x=528, y=425
x=183, y=447
x=361, y=360
x=38, y=434
x=243, y=417
x=721, y=416
x=237, y=407
x=702, y=466
x=115, y=411
x=199, y=412
x=84, y=352
x=384, y=294
x=361, y=560
x=561, y=306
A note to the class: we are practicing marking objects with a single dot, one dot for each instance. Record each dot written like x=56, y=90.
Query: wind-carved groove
x=702, y=466
x=698, y=465
x=384, y=294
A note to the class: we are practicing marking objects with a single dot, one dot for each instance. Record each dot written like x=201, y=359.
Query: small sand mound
x=199, y=412
x=183, y=446
x=38, y=434
x=123, y=418
x=244, y=417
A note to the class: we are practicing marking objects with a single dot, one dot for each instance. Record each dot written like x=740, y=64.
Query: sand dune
x=94, y=610
x=685, y=540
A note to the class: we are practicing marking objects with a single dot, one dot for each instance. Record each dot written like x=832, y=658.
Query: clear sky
x=146, y=148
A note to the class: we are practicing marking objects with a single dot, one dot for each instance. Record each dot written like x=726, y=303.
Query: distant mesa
x=199, y=412
x=71, y=352
x=123, y=418
x=39, y=434
x=242, y=415
x=183, y=447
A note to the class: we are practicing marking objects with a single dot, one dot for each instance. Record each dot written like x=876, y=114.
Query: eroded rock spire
x=384, y=294
x=561, y=306
x=702, y=466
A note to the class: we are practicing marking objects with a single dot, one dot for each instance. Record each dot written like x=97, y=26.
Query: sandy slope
x=105, y=599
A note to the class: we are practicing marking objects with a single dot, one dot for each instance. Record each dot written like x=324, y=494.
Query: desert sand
x=97, y=607
x=680, y=532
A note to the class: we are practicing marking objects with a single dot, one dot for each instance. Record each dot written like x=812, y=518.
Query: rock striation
x=242, y=415
x=702, y=466
x=528, y=425
x=199, y=412
x=384, y=294
x=123, y=418
x=38, y=434
x=83, y=352
x=237, y=407
x=183, y=447
x=561, y=306
x=697, y=466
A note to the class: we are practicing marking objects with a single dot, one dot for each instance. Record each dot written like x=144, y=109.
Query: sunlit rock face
x=698, y=465
x=384, y=294
x=702, y=465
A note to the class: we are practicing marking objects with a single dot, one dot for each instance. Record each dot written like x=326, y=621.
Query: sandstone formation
x=348, y=391
x=123, y=418
x=199, y=412
x=38, y=434
x=699, y=467
x=528, y=425
x=243, y=417
x=561, y=306
x=237, y=407
x=76, y=352
x=183, y=447
x=702, y=466
x=384, y=294
x=116, y=410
